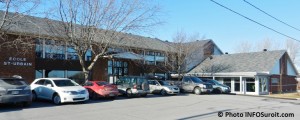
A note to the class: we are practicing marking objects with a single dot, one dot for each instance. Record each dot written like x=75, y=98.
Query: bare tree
x=244, y=47
x=266, y=44
x=186, y=51
x=11, y=14
x=96, y=25
x=293, y=49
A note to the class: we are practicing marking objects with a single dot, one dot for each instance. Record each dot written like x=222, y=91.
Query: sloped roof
x=48, y=28
x=242, y=62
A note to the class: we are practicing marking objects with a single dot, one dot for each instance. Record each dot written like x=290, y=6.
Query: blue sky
x=226, y=28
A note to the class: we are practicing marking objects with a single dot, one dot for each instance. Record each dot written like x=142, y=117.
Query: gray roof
x=47, y=28
x=241, y=62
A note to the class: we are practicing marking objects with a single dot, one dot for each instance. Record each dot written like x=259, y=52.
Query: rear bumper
x=108, y=93
x=140, y=92
x=15, y=98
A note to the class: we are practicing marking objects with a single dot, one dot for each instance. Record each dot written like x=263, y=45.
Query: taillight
x=134, y=86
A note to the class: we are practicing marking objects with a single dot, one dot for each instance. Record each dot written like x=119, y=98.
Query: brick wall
x=15, y=61
x=289, y=84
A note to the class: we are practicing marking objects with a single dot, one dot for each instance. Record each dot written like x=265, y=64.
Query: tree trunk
x=86, y=76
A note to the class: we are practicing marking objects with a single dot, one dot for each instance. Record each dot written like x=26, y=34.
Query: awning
x=127, y=55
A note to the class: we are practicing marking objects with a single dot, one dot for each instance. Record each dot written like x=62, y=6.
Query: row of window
x=250, y=84
x=50, y=49
x=119, y=68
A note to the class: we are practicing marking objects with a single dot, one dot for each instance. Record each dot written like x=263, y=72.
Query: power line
x=254, y=21
x=271, y=16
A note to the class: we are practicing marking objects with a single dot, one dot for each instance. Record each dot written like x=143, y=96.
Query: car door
x=157, y=87
x=120, y=84
x=48, y=89
x=151, y=85
x=186, y=85
x=38, y=88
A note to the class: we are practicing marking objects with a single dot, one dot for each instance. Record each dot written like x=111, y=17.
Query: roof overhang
x=228, y=74
x=126, y=55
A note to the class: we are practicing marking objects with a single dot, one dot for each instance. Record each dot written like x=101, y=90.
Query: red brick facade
x=14, y=61
x=289, y=84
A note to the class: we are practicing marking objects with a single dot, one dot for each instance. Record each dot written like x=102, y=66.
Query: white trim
x=229, y=74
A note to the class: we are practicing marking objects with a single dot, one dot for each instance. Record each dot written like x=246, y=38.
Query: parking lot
x=155, y=107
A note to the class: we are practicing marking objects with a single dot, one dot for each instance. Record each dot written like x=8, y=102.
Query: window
x=40, y=82
x=48, y=82
x=56, y=73
x=237, y=84
x=274, y=81
x=39, y=48
x=38, y=73
x=227, y=81
x=263, y=84
x=54, y=50
x=119, y=68
x=65, y=83
x=77, y=76
x=250, y=85
x=71, y=54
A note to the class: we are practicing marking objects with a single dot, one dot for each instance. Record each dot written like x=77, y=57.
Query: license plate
x=14, y=92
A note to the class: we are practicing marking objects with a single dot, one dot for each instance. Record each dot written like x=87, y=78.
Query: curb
x=267, y=97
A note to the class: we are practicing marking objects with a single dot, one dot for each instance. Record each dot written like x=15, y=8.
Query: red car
x=101, y=89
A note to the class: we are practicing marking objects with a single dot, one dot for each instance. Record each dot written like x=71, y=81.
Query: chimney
x=265, y=50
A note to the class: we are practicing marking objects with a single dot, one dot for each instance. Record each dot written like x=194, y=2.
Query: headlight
x=170, y=88
x=67, y=92
x=2, y=91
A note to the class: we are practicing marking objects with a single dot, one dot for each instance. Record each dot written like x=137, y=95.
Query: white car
x=162, y=87
x=58, y=90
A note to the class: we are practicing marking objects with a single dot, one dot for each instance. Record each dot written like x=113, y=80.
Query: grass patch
x=286, y=95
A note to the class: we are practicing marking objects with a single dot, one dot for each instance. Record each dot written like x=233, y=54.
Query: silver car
x=133, y=85
x=162, y=87
x=15, y=90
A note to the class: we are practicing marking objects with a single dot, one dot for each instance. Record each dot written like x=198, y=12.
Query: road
x=155, y=107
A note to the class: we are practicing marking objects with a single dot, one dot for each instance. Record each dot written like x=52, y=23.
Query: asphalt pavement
x=156, y=107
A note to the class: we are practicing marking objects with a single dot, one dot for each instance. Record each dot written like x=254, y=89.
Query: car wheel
x=129, y=93
x=94, y=96
x=144, y=95
x=34, y=96
x=163, y=92
x=56, y=99
x=112, y=98
x=27, y=104
x=197, y=91
x=218, y=91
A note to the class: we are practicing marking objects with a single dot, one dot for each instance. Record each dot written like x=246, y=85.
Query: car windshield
x=141, y=81
x=196, y=80
x=65, y=83
x=216, y=82
x=102, y=83
x=164, y=83
x=14, y=81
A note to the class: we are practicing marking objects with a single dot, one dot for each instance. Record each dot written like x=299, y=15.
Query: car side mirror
x=156, y=84
x=49, y=85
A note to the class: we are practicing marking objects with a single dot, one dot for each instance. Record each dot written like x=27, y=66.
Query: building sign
x=16, y=61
